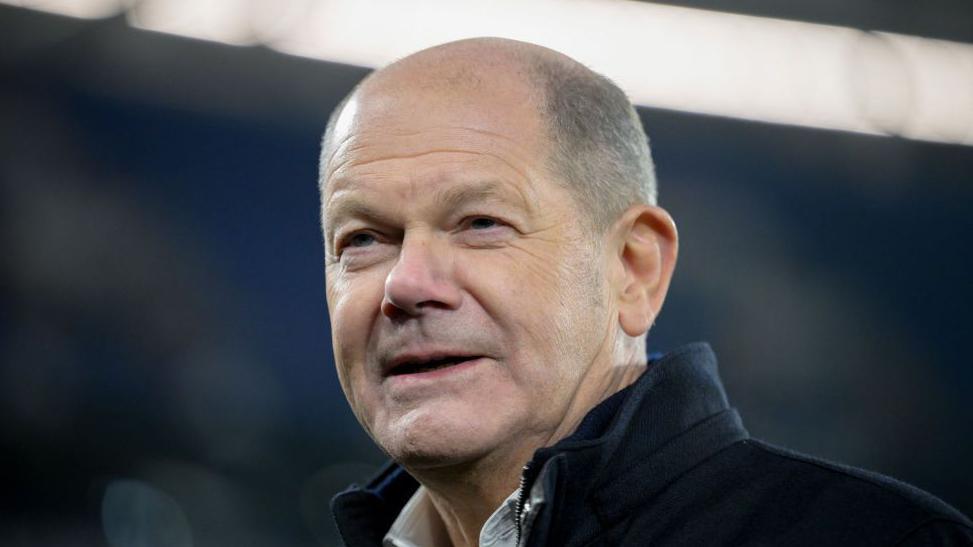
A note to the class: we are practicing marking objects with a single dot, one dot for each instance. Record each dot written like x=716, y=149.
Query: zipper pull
x=523, y=501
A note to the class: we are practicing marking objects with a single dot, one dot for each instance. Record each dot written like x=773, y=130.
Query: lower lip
x=435, y=374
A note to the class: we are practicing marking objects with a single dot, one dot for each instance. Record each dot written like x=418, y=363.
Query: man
x=494, y=260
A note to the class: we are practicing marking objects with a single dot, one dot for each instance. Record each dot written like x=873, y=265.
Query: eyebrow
x=351, y=208
x=458, y=196
x=450, y=199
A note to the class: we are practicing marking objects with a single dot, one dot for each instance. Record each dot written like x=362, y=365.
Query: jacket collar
x=672, y=418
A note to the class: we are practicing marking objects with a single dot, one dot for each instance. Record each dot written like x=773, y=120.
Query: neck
x=465, y=496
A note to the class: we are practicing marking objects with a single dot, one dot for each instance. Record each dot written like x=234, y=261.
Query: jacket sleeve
x=939, y=532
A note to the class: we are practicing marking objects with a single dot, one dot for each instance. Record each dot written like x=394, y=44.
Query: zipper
x=522, y=496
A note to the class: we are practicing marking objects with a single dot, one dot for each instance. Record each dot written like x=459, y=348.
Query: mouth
x=417, y=365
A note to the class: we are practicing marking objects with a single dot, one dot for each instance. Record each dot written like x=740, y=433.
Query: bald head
x=594, y=142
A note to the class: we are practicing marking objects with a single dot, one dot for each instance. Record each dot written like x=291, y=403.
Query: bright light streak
x=739, y=66
x=663, y=56
x=215, y=20
x=942, y=88
x=754, y=68
x=82, y=9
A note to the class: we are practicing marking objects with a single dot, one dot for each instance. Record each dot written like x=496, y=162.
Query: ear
x=647, y=245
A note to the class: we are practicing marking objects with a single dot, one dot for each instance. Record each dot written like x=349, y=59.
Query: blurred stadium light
x=709, y=62
x=85, y=9
x=215, y=20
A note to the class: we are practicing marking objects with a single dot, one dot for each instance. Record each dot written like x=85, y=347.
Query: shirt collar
x=419, y=524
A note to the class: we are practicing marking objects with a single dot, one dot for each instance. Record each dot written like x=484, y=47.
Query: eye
x=355, y=241
x=360, y=239
x=483, y=231
x=482, y=223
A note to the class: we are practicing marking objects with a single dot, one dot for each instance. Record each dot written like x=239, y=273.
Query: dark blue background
x=165, y=336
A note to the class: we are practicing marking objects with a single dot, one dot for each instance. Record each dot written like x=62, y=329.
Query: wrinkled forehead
x=403, y=159
x=494, y=103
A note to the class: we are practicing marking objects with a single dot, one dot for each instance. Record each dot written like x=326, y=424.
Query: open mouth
x=417, y=367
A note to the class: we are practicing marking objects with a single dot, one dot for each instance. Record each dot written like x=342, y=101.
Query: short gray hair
x=598, y=145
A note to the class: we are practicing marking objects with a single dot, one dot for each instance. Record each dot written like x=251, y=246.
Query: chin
x=429, y=440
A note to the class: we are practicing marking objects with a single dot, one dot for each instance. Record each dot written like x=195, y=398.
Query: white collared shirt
x=419, y=525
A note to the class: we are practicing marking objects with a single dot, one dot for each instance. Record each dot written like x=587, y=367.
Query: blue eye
x=361, y=239
x=482, y=223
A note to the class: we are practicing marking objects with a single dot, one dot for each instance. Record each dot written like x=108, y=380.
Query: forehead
x=474, y=132
x=428, y=103
x=382, y=181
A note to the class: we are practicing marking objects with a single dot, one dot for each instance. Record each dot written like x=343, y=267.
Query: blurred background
x=165, y=361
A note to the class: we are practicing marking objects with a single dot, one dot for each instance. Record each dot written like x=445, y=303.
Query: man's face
x=466, y=299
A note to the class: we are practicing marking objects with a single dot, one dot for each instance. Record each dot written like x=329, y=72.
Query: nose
x=420, y=280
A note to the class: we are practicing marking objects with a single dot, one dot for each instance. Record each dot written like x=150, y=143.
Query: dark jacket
x=667, y=462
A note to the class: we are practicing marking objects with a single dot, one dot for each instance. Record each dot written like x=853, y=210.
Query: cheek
x=558, y=299
x=550, y=288
x=532, y=295
x=353, y=303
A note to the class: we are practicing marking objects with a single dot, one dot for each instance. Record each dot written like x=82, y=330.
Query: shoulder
x=842, y=485
x=814, y=497
x=753, y=493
